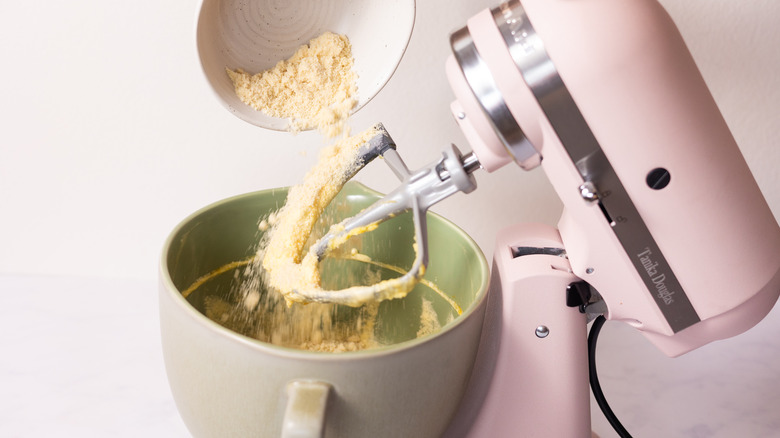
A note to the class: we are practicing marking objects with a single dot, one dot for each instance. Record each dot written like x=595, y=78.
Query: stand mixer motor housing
x=661, y=214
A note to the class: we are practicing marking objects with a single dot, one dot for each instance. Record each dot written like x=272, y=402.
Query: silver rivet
x=589, y=270
x=461, y=115
x=588, y=192
x=542, y=331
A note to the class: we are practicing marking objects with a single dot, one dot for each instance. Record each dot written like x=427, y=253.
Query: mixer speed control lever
x=582, y=295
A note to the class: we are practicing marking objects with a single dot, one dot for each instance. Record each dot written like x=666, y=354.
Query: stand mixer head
x=656, y=192
x=657, y=195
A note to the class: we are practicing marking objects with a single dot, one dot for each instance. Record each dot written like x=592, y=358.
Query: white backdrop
x=110, y=135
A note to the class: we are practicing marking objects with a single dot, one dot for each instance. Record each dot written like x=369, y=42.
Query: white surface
x=726, y=389
x=81, y=357
x=110, y=136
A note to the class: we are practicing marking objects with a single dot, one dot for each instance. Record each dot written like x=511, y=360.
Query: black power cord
x=594, y=378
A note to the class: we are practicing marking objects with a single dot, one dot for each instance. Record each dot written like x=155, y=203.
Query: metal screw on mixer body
x=542, y=331
x=589, y=192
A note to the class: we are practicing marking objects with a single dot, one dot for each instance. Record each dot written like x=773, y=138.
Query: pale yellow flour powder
x=315, y=88
x=284, y=262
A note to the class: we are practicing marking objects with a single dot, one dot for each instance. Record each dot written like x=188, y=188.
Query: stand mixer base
x=531, y=375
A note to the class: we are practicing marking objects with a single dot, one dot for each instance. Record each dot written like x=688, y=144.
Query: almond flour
x=286, y=267
x=315, y=88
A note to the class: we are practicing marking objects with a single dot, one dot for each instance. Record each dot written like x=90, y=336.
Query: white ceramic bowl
x=255, y=35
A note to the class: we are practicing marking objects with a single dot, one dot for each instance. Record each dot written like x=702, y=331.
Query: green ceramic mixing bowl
x=228, y=384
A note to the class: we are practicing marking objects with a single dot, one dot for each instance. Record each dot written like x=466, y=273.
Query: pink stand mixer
x=664, y=227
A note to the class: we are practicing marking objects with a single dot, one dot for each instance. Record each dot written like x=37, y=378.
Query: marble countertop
x=82, y=357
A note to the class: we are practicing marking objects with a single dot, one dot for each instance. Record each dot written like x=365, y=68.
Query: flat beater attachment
x=419, y=190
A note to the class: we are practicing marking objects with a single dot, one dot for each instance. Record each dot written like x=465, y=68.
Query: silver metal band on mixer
x=489, y=97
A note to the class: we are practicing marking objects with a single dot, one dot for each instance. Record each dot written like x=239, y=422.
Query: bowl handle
x=304, y=416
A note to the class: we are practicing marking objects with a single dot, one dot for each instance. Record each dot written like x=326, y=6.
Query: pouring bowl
x=255, y=35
